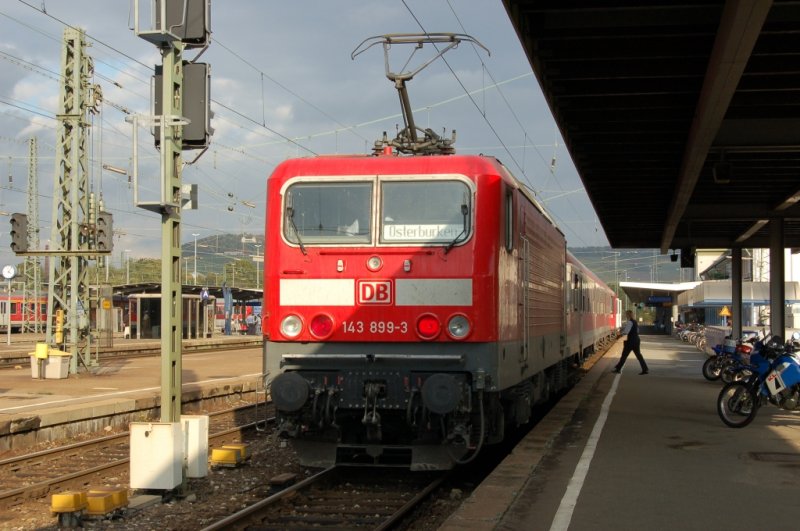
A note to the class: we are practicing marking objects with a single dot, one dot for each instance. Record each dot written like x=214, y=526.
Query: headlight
x=374, y=263
x=458, y=327
x=291, y=326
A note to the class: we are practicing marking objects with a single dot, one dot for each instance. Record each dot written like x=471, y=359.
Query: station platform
x=632, y=452
x=118, y=390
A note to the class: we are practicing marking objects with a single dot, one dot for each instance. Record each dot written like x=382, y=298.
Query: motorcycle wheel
x=737, y=405
x=742, y=375
x=727, y=374
x=711, y=369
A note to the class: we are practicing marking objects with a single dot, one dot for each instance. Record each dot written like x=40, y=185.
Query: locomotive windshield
x=425, y=211
x=328, y=212
x=434, y=211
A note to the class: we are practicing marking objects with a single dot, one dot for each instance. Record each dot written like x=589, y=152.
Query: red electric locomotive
x=415, y=306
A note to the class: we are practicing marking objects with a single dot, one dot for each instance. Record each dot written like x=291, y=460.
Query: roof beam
x=754, y=228
x=739, y=28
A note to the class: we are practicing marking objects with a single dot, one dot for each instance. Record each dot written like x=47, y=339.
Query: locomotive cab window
x=425, y=212
x=331, y=212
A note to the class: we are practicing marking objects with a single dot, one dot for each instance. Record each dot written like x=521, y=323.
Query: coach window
x=421, y=212
x=330, y=212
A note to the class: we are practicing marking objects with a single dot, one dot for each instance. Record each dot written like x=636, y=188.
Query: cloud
x=285, y=65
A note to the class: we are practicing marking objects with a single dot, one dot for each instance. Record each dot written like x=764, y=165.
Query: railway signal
x=104, y=240
x=19, y=233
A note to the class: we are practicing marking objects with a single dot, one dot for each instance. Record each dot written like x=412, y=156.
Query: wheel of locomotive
x=737, y=405
x=711, y=369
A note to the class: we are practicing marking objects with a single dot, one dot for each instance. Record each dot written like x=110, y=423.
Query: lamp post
x=258, y=268
x=127, y=266
x=195, y=234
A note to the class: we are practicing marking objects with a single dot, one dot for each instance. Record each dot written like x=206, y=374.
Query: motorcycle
x=728, y=358
x=777, y=383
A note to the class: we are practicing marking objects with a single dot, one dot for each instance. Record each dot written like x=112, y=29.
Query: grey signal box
x=186, y=21
x=196, y=104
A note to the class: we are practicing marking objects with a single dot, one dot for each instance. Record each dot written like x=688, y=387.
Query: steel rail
x=81, y=478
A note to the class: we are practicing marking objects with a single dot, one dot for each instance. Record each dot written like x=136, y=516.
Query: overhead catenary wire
x=528, y=181
x=249, y=122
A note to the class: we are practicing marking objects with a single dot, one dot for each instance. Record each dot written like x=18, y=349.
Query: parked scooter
x=778, y=383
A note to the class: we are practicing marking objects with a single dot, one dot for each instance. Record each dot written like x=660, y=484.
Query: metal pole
x=171, y=291
x=127, y=266
x=8, y=314
x=195, y=256
x=258, y=267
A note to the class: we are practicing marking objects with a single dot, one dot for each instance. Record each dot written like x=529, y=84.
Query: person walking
x=631, y=343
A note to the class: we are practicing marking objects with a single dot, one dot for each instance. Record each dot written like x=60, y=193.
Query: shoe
x=616, y=370
x=644, y=372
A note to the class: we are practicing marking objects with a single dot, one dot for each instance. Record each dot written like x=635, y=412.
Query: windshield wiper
x=464, y=231
x=290, y=215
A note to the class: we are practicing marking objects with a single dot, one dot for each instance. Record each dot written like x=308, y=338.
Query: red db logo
x=375, y=292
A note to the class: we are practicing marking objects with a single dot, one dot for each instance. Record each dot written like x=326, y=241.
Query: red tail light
x=428, y=326
x=321, y=325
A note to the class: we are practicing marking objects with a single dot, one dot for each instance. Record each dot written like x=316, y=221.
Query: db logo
x=374, y=291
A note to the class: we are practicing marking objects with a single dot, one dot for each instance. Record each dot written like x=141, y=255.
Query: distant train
x=414, y=307
x=36, y=314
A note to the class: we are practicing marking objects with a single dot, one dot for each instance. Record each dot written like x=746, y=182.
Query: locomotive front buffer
x=411, y=418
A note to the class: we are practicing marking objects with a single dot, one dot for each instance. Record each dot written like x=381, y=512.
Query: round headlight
x=321, y=325
x=458, y=327
x=374, y=263
x=291, y=326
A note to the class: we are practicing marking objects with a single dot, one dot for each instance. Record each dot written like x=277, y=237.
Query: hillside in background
x=226, y=255
x=222, y=248
x=634, y=265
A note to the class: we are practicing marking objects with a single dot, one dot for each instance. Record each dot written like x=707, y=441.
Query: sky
x=283, y=85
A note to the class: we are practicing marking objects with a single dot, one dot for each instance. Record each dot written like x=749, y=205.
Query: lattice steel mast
x=33, y=275
x=70, y=234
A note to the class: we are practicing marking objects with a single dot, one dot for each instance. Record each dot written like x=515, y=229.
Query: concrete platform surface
x=118, y=388
x=20, y=393
x=631, y=452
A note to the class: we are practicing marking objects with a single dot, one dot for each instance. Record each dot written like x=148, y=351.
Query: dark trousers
x=627, y=347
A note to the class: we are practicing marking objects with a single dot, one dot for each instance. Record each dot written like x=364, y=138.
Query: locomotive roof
x=466, y=164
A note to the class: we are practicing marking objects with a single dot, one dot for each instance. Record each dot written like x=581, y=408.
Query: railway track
x=134, y=350
x=77, y=466
x=339, y=498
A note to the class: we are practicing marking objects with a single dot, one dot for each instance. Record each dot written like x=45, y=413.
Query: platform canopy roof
x=147, y=288
x=682, y=118
x=644, y=292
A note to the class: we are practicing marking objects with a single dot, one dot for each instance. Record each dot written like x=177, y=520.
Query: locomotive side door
x=527, y=300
